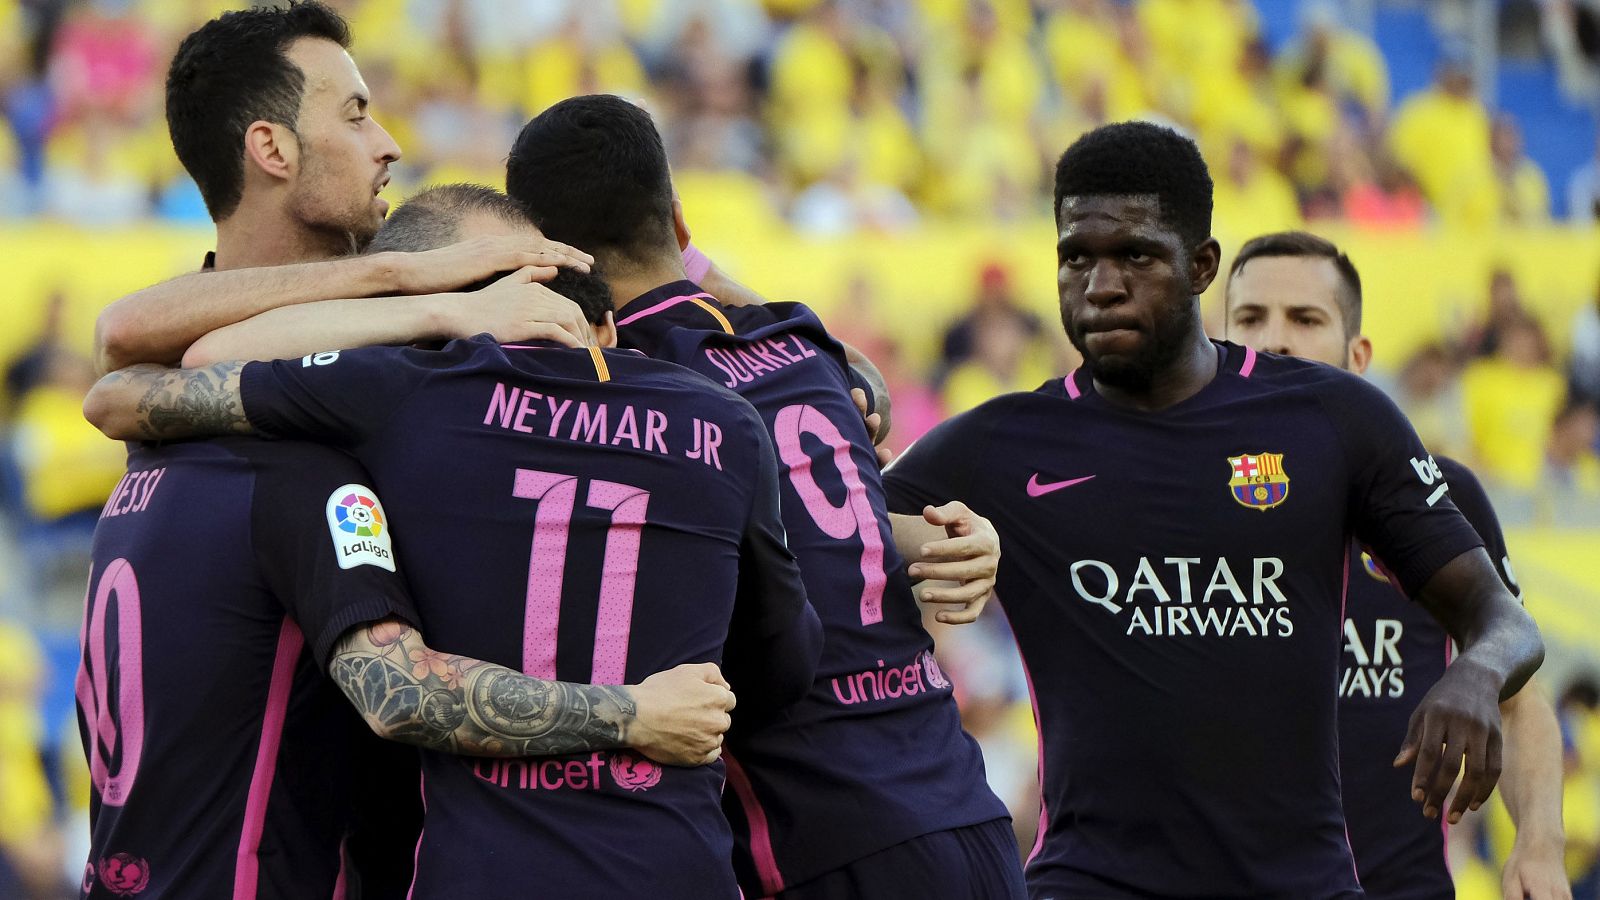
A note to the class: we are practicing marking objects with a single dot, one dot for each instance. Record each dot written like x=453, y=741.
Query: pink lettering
x=840, y=694
x=150, y=488
x=779, y=348
x=655, y=426
x=763, y=350
x=732, y=380
x=111, y=502
x=805, y=352
x=556, y=412
x=591, y=424
x=577, y=774
x=545, y=780
x=132, y=494
x=627, y=428
x=749, y=359
x=501, y=405
x=525, y=409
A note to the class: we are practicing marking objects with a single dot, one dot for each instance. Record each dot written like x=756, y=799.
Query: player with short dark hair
x=1307, y=246
x=273, y=120
x=236, y=70
x=1296, y=294
x=1176, y=515
x=868, y=787
x=647, y=499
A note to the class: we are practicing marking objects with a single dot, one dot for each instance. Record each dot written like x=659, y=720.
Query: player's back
x=579, y=516
x=218, y=749
x=875, y=755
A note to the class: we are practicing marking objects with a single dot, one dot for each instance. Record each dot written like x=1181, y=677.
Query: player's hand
x=968, y=558
x=874, y=424
x=1536, y=870
x=682, y=715
x=518, y=308
x=1458, y=722
x=468, y=262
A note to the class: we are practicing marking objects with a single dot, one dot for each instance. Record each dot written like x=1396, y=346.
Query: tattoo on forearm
x=179, y=403
x=462, y=705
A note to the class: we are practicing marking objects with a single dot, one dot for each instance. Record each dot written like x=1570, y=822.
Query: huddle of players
x=640, y=491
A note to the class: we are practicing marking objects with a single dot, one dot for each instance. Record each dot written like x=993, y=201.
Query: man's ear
x=678, y=224
x=1360, y=354
x=1204, y=264
x=271, y=149
x=605, y=334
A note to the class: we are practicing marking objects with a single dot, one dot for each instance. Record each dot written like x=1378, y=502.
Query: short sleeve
x=1400, y=501
x=775, y=637
x=340, y=397
x=938, y=467
x=1467, y=492
x=322, y=539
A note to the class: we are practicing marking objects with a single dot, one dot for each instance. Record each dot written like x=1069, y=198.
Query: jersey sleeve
x=337, y=398
x=1467, y=492
x=1400, y=501
x=321, y=537
x=775, y=638
x=938, y=467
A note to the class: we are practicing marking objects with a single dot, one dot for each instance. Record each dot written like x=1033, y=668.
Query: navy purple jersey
x=875, y=754
x=1174, y=580
x=1394, y=652
x=218, y=749
x=588, y=516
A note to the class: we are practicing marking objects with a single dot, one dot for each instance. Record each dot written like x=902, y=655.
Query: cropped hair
x=1141, y=158
x=1303, y=244
x=233, y=71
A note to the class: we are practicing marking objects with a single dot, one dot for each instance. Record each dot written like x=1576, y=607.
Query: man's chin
x=1118, y=371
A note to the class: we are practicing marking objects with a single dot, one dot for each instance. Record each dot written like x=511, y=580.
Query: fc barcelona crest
x=1258, y=481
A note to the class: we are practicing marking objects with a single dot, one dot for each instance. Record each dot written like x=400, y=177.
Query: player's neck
x=248, y=239
x=636, y=282
x=1188, y=373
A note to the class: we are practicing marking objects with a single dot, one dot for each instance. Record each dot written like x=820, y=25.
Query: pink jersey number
x=854, y=517
x=557, y=496
x=120, y=727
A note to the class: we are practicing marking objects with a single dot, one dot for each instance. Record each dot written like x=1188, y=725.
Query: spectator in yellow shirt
x=67, y=466
x=1441, y=135
x=1348, y=61
x=1524, y=192
x=1251, y=195
x=1571, y=466
x=1511, y=400
x=1001, y=363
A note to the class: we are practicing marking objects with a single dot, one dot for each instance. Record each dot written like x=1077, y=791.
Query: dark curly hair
x=1141, y=158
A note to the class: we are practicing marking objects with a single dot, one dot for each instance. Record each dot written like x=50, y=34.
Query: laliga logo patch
x=1258, y=480
x=360, y=531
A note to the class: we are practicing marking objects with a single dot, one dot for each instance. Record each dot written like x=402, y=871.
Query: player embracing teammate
x=591, y=514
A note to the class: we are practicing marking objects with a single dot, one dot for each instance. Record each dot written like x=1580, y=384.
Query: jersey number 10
x=118, y=726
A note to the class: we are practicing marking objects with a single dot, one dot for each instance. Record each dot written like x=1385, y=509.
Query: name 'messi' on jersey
x=1187, y=596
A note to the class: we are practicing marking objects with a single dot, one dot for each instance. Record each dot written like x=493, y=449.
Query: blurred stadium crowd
x=819, y=120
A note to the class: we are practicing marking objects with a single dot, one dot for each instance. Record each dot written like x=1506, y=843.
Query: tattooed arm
x=411, y=693
x=153, y=403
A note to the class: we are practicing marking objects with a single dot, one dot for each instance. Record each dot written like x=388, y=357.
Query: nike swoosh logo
x=1035, y=489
